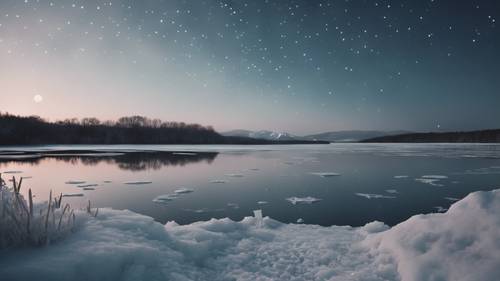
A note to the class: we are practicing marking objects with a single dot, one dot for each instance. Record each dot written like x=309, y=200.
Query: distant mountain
x=266, y=135
x=350, y=136
x=483, y=136
x=336, y=136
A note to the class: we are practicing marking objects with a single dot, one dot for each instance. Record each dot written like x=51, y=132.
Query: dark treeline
x=484, y=136
x=32, y=130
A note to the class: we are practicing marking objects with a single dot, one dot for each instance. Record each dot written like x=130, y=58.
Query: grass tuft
x=23, y=223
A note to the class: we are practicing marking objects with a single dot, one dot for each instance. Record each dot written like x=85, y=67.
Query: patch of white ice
x=87, y=185
x=234, y=175
x=165, y=198
x=218, y=181
x=73, y=195
x=138, y=182
x=183, y=190
x=325, y=174
x=303, y=200
x=75, y=182
x=374, y=196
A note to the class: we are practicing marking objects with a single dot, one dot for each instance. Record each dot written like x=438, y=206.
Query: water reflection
x=128, y=161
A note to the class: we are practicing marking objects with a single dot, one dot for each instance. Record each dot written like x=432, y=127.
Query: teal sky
x=296, y=66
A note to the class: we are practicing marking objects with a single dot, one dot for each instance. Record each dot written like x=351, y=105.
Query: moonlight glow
x=38, y=98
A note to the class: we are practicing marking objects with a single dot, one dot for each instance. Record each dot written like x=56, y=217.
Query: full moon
x=38, y=98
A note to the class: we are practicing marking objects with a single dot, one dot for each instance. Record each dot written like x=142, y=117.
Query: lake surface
x=351, y=184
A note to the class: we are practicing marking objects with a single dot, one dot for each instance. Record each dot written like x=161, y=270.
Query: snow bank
x=461, y=244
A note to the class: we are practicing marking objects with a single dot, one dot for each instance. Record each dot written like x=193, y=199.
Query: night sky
x=296, y=66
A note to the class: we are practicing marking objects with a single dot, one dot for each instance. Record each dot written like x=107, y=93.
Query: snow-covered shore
x=461, y=244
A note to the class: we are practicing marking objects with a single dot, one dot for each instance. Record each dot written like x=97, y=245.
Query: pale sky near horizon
x=297, y=66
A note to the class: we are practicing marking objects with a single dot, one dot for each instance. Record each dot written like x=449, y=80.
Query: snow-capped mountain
x=335, y=136
x=351, y=136
x=264, y=134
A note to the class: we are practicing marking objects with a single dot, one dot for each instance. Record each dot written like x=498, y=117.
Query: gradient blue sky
x=296, y=66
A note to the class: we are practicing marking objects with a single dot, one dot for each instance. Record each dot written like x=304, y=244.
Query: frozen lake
x=336, y=184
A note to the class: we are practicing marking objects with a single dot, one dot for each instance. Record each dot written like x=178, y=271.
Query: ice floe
x=453, y=199
x=75, y=182
x=73, y=195
x=218, y=181
x=439, y=177
x=233, y=205
x=87, y=185
x=138, y=182
x=401, y=177
x=374, y=196
x=392, y=191
x=440, y=209
x=183, y=190
x=432, y=179
x=300, y=220
x=483, y=171
x=325, y=174
x=303, y=200
x=262, y=202
x=234, y=175
x=165, y=198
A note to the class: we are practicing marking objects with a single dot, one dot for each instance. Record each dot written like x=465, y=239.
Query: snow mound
x=461, y=244
x=302, y=200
